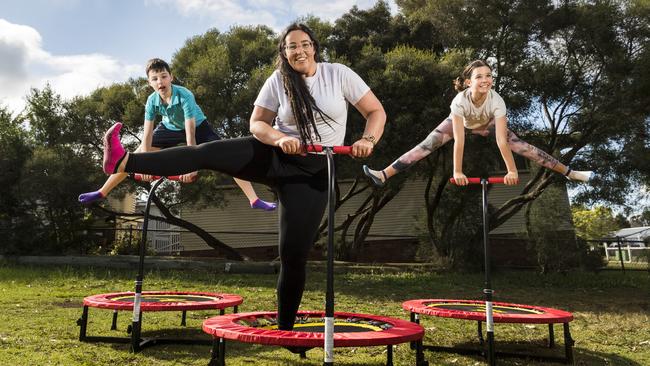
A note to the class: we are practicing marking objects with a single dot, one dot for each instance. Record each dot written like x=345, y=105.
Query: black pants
x=301, y=185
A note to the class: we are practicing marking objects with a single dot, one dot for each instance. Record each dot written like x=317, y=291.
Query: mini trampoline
x=154, y=301
x=502, y=313
x=142, y=301
x=350, y=330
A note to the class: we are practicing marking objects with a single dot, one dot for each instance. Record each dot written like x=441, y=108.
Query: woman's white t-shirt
x=477, y=117
x=333, y=86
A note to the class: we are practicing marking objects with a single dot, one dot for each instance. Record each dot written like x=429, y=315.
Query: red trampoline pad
x=475, y=310
x=350, y=329
x=164, y=301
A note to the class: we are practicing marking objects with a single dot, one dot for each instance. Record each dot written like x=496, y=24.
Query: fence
x=627, y=252
x=160, y=241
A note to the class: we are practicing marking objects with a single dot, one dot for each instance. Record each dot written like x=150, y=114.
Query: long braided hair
x=303, y=105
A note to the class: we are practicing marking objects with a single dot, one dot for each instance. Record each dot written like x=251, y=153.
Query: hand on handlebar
x=188, y=178
x=290, y=145
x=460, y=179
x=511, y=179
x=362, y=148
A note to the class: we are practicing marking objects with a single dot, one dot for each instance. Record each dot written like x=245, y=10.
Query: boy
x=182, y=121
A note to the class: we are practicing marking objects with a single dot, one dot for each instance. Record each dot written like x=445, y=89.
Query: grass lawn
x=39, y=307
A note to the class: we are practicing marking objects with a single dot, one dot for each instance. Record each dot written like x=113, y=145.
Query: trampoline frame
x=102, y=301
x=225, y=328
x=552, y=316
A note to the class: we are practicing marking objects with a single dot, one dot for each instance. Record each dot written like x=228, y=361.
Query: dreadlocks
x=303, y=105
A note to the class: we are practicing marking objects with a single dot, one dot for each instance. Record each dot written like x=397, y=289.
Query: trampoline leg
x=419, y=354
x=183, y=318
x=234, y=309
x=389, y=355
x=83, y=322
x=214, y=357
x=114, y=322
x=222, y=352
x=222, y=311
x=479, y=329
x=551, y=336
x=568, y=344
x=136, y=328
x=414, y=319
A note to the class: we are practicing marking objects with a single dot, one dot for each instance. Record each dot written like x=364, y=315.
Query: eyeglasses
x=294, y=48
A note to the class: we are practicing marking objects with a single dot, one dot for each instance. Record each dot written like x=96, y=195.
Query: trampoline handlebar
x=138, y=177
x=345, y=150
x=491, y=180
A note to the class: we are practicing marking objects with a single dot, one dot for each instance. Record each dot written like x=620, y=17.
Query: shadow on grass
x=581, y=356
x=248, y=353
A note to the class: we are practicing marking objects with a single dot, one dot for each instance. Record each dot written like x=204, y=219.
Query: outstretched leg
x=542, y=158
x=113, y=181
x=438, y=137
x=244, y=158
x=537, y=155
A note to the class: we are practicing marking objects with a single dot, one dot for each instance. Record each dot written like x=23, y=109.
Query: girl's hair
x=302, y=102
x=459, y=82
x=157, y=64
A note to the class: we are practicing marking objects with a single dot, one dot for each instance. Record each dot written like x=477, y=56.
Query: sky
x=79, y=45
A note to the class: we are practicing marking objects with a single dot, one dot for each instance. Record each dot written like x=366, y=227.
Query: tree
x=594, y=223
x=44, y=172
x=225, y=71
x=15, y=151
x=565, y=69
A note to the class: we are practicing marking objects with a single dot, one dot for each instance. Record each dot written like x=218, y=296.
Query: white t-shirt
x=333, y=86
x=476, y=117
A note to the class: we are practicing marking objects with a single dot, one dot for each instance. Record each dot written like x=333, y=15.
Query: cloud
x=25, y=64
x=273, y=13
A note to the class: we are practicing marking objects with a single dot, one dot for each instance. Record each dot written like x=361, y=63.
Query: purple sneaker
x=266, y=206
x=90, y=197
x=113, y=150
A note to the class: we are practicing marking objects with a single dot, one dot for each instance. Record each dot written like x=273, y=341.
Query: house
x=393, y=237
x=633, y=236
x=162, y=238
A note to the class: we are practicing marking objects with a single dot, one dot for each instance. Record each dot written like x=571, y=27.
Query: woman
x=303, y=102
x=480, y=110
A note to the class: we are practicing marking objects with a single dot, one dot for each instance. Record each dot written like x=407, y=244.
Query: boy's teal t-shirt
x=182, y=107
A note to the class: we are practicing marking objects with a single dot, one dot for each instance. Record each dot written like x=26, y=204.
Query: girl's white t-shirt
x=477, y=117
x=333, y=86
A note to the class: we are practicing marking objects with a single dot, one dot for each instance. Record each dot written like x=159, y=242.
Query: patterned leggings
x=444, y=133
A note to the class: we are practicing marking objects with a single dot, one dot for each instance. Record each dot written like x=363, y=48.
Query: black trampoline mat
x=317, y=325
x=166, y=298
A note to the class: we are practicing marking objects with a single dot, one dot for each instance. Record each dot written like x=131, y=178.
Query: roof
x=632, y=233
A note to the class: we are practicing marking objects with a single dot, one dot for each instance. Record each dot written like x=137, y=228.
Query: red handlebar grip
x=491, y=180
x=344, y=150
x=138, y=177
x=347, y=150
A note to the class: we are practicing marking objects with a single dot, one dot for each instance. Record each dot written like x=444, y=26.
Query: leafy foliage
x=573, y=74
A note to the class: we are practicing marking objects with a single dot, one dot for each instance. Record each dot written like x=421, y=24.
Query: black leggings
x=301, y=185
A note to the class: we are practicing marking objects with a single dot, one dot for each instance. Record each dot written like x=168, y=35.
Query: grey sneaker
x=373, y=178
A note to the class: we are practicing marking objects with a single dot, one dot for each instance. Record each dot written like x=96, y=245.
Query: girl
x=482, y=111
x=303, y=102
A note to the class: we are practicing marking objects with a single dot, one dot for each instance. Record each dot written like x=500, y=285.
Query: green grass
x=39, y=307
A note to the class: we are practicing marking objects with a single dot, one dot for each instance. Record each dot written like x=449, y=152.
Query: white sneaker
x=580, y=176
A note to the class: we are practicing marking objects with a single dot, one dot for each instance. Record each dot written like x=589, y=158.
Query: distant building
x=638, y=235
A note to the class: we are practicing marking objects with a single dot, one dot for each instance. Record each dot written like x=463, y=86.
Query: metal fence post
x=620, y=252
